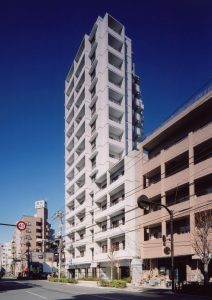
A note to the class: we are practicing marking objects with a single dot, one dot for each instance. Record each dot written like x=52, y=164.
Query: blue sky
x=172, y=47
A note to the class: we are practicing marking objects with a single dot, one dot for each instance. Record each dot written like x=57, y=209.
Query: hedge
x=112, y=283
x=64, y=280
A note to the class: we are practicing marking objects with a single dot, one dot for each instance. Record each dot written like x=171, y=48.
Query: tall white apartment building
x=103, y=124
x=6, y=257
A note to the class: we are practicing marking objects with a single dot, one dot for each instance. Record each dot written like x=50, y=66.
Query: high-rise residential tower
x=103, y=124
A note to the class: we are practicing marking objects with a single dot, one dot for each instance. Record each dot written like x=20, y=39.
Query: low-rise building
x=176, y=171
x=39, y=235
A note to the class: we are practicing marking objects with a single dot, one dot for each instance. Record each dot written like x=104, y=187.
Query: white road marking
x=36, y=295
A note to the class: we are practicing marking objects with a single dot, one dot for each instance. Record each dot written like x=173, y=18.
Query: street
x=11, y=289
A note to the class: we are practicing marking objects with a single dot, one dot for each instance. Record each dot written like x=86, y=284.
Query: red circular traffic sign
x=21, y=225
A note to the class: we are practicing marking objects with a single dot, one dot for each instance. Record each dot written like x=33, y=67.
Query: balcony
x=115, y=153
x=110, y=211
x=70, y=116
x=115, y=97
x=115, y=43
x=80, y=98
x=80, y=51
x=80, y=115
x=70, y=145
x=137, y=118
x=70, y=130
x=80, y=83
x=70, y=214
x=79, y=243
x=177, y=164
x=202, y=134
x=178, y=148
x=70, y=101
x=115, y=113
x=80, y=207
x=203, y=168
x=80, y=180
x=115, y=79
x=70, y=159
x=70, y=88
x=80, y=67
x=70, y=188
x=80, y=165
x=80, y=149
x=70, y=174
x=80, y=225
x=138, y=132
x=176, y=179
x=80, y=132
x=116, y=26
x=115, y=61
x=94, y=45
x=70, y=74
x=139, y=105
x=117, y=172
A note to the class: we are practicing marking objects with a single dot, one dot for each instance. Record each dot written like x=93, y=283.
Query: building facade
x=103, y=124
x=7, y=257
x=176, y=171
x=39, y=234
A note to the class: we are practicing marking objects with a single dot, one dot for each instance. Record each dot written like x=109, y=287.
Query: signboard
x=41, y=204
x=21, y=225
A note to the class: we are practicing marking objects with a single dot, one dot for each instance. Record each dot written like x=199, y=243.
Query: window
x=93, y=57
x=123, y=244
x=115, y=246
x=93, y=127
x=179, y=163
x=115, y=223
x=28, y=230
x=104, y=227
x=93, y=162
x=93, y=145
x=104, y=248
x=29, y=224
x=93, y=74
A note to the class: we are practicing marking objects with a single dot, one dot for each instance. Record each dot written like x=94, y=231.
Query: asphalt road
x=42, y=289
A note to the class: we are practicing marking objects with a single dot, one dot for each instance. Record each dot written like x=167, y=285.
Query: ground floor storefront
x=157, y=271
x=101, y=270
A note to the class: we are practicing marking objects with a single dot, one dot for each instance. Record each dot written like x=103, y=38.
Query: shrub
x=64, y=280
x=112, y=283
x=89, y=278
x=103, y=282
x=118, y=283
x=128, y=279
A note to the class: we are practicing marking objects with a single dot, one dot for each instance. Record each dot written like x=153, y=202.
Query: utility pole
x=28, y=258
x=59, y=215
x=143, y=202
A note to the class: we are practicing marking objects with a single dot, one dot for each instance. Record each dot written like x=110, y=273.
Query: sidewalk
x=129, y=287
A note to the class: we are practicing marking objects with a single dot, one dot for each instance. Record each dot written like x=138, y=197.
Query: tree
x=202, y=239
x=114, y=261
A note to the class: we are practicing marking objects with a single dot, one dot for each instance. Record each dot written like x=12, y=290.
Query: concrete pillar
x=136, y=271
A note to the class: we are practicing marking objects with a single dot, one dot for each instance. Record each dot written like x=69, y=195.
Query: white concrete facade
x=103, y=124
x=7, y=257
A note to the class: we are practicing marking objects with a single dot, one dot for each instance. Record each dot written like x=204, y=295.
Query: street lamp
x=28, y=257
x=143, y=202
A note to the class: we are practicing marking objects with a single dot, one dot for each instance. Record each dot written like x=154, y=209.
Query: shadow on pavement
x=13, y=284
x=124, y=295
